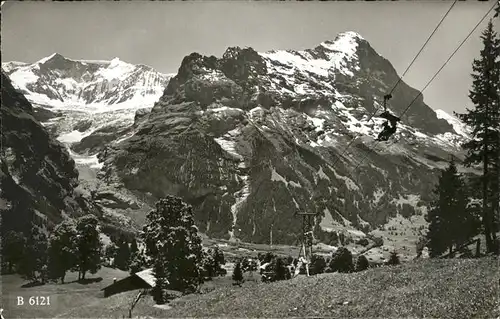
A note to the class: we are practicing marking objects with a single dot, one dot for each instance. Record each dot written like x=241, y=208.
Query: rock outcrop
x=38, y=176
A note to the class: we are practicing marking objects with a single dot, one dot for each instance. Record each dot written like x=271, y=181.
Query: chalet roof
x=148, y=276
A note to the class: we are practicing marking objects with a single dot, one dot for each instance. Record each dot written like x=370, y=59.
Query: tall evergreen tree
x=484, y=121
x=436, y=236
x=238, y=274
x=88, y=245
x=170, y=235
x=449, y=218
x=62, y=250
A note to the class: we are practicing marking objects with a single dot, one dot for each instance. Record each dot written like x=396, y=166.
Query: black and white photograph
x=250, y=159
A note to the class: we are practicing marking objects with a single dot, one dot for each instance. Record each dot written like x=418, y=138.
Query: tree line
x=282, y=268
x=73, y=245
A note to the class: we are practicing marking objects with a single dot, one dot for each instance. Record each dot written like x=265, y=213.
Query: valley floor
x=448, y=288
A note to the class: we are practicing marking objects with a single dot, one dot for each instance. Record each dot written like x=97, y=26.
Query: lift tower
x=306, y=239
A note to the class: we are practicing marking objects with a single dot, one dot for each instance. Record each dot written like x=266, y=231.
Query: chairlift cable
x=427, y=41
x=432, y=79
x=400, y=78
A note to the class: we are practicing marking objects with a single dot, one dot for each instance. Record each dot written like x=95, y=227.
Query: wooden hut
x=141, y=280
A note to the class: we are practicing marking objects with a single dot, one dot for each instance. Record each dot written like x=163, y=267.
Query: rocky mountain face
x=251, y=138
x=38, y=176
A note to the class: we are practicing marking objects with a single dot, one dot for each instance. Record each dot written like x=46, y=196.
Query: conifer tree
x=238, y=274
x=361, y=263
x=171, y=236
x=449, y=218
x=280, y=269
x=436, y=236
x=393, y=259
x=484, y=146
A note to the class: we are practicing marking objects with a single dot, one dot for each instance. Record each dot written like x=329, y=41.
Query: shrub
x=420, y=244
x=266, y=258
x=393, y=259
x=361, y=263
x=378, y=241
x=363, y=242
x=280, y=270
x=238, y=274
x=269, y=257
x=260, y=257
x=341, y=261
x=318, y=265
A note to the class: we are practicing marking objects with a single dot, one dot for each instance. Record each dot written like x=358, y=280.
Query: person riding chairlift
x=389, y=129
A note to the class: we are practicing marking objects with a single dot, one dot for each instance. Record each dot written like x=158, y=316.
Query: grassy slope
x=431, y=288
x=63, y=297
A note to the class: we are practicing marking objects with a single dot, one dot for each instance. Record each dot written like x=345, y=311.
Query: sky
x=160, y=34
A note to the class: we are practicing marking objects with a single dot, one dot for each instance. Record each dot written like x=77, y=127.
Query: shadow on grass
x=33, y=284
x=87, y=281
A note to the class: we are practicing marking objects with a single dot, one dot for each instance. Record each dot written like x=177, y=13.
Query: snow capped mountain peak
x=116, y=62
x=458, y=126
x=61, y=82
x=43, y=60
x=346, y=41
x=332, y=56
x=350, y=34
x=117, y=69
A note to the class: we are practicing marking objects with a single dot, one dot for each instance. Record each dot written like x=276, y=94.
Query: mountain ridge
x=250, y=138
x=60, y=82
